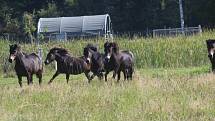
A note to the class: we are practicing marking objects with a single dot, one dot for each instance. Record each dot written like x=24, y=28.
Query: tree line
x=21, y=16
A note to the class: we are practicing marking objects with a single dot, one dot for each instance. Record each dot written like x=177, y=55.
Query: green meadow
x=172, y=81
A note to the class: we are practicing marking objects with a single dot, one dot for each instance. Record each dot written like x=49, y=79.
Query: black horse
x=67, y=64
x=118, y=61
x=25, y=65
x=211, y=51
x=94, y=58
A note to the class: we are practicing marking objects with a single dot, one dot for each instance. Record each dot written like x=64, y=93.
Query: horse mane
x=61, y=51
x=106, y=44
x=15, y=46
x=85, y=53
x=115, y=47
x=92, y=47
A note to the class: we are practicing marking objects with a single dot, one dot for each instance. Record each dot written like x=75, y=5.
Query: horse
x=211, y=50
x=25, y=65
x=94, y=58
x=118, y=61
x=67, y=64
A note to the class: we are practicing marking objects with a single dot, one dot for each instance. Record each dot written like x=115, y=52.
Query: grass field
x=154, y=94
x=172, y=82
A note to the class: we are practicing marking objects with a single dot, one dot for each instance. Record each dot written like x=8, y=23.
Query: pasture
x=172, y=81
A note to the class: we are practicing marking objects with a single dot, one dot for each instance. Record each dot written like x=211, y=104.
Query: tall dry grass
x=161, y=52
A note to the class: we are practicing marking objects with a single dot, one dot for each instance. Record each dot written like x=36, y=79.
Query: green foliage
x=50, y=11
x=29, y=25
x=126, y=15
x=12, y=25
x=70, y=2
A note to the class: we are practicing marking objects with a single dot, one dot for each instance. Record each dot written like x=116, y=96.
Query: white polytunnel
x=96, y=25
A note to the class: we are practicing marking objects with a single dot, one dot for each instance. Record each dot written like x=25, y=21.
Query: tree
x=50, y=11
x=29, y=25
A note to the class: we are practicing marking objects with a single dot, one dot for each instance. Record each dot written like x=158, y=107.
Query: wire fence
x=177, y=31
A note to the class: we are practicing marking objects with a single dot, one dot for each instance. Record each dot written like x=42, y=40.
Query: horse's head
x=88, y=52
x=87, y=55
x=51, y=56
x=92, y=47
x=211, y=47
x=211, y=51
x=110, y=48
x=14, y=49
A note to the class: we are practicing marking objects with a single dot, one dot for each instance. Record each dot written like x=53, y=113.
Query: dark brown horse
x=94, y=58
x=118, y=61
x=67, y=64
x=25, y=65
x=211, y=52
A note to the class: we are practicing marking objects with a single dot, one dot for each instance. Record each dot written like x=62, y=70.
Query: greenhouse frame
x=63, y=28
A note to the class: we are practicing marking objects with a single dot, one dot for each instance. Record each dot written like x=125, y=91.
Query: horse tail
x=40, y=61
x=133, y=62
x=132, y=55
x=129, y=53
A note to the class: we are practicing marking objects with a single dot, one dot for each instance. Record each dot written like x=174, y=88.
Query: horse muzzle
x=46, y=62
x=12, y=58
x=212, y=53
x=107, y=58
x=88, y=61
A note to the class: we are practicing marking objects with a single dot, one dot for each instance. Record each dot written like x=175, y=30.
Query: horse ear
x=210, y=43
x=106, y=44
x=15, y=45
x=115, y=47
x=18, y=47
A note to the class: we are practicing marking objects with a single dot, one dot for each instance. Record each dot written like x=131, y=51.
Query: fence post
x=66, y=36
x=200, y=29
x=153, y=33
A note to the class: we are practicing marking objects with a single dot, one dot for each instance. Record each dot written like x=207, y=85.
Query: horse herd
x=92, y=63
x=100, y=64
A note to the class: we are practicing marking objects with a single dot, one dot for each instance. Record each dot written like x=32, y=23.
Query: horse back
x=76, y=65
x=28, y=64
x=35, y=62
x=126, y=60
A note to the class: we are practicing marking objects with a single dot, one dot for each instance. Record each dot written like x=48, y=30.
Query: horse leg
x=124, y=72
x=92, y=77
x=131, y=73
x=118, y=78
x=67, y=78
x=114, y=74
x=99, y=74
x=106, y=73
x=29, y=78
x=88, y=77
x=39, y=75
x=115, y=71
x=53, y=77
x=20, y=81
